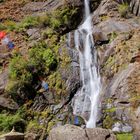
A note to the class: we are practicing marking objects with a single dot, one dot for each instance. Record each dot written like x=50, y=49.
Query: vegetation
x=124, y=136
x=108, y=122
x=123, y=9
x=8, y=121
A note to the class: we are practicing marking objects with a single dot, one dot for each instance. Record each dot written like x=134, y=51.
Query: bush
x=19, y=69
x=62, y=17
x=8, y=121
x=42, y=58
x=50, y=59
x=26, y=23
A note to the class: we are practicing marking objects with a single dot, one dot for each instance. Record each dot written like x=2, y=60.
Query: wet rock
x=80, y=107
x=71, y=74
x=70, y=132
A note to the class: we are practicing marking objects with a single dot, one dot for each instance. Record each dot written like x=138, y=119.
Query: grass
x=124, y=136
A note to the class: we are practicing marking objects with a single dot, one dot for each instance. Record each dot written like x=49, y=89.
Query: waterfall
x=89, y=71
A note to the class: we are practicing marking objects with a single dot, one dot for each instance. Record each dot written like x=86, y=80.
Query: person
x=11, y=45
x=45, y=85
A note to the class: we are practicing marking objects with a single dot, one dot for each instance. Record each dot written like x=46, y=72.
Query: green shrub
x=26, y=23
x=50, y=59
x=8, y=121
x=62, y=17
x=42, y=58
x=19, y=69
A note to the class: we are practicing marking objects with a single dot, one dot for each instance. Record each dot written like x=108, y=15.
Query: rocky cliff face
x=39, y=30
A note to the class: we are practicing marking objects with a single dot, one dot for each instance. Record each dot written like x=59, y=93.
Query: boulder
x=68, y=132
x=71, y=132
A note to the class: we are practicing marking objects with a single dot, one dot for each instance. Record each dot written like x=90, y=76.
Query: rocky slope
x=39, y=30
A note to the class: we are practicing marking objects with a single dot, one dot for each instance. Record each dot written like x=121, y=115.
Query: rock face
x=119, y=60
x=70, y=132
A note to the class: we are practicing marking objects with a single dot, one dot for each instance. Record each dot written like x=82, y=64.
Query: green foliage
x=55, y=81
x=113, y=109
x=42, y=58
x=123, y=9
x=26, y=23
x=62, y=17
x=34, y=127
x=124, y=136
x=8, y=121
x=19, y=69
x=50, y=59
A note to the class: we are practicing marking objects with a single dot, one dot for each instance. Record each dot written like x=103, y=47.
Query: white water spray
x=89, y=71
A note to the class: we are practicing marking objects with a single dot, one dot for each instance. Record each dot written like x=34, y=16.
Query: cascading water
x=89, y=71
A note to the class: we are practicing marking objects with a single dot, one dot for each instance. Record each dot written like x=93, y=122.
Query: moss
x=124, y=136
x=104, y=17
x=50, y=125
x=112, y=36
x=113, y=109
x=34, y=126
x=108, y=122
